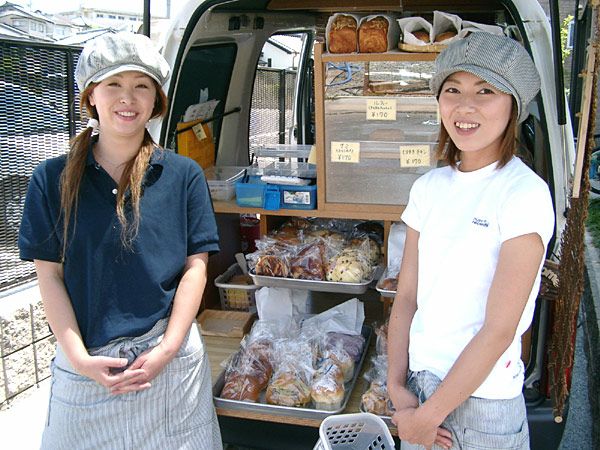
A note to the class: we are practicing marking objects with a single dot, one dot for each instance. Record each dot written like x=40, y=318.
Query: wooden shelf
x=343, y=211
x=382, y=57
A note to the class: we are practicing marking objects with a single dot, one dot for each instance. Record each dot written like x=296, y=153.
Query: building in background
x=33, y=25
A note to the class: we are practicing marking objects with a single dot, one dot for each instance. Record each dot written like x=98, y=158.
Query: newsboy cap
x=113, y=53
x=498, y=60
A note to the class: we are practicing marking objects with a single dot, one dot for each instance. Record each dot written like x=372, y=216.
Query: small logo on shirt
x=480, y=222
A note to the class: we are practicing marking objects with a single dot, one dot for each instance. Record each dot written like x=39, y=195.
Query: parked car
x=36, y=131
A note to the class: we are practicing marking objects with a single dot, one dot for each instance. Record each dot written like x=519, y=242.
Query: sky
x=158, y=7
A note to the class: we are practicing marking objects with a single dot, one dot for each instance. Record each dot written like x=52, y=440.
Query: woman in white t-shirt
x=477, y=233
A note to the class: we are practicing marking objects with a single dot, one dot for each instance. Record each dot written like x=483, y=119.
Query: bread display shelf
x=428, y=48
x=291, y=411
x=225, y=323
x=333, y=211
x=392, y=55
x=316, y=285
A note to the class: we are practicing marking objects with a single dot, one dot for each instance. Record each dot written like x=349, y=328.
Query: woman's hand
x=146, y=367
x=414, y=427
x=98, y=368
x=402, y=398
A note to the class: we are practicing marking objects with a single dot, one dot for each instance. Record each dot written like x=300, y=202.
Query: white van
x=215, y=48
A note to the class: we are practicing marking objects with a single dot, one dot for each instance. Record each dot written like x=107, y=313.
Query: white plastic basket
x=361, y=431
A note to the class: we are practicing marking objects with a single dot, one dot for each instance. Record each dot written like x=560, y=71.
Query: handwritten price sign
x=348, y=152
x=414, y=156
x=381, y=109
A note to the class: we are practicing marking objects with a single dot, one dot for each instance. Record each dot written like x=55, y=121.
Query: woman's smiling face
x=124, y=103
x=475, y=114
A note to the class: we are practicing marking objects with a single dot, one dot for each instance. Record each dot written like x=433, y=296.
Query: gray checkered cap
x=113, y=53
x=499, y=60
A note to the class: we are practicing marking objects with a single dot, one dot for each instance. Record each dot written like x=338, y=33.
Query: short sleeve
x=39, y=232
x=413, y=214
x=202, y=227
x=527, y=209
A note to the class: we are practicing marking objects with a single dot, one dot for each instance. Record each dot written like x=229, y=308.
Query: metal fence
x=272, y=115
x=39, y=112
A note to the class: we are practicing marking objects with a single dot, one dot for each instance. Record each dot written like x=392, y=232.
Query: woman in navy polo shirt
x=120, y=232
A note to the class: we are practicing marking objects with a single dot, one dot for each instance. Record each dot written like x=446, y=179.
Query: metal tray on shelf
x=382, y=291
x=292, y=411
x=386, y=419
x=315, y=285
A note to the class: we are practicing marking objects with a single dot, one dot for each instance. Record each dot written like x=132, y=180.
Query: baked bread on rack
x=373, y=35
x=342, y=36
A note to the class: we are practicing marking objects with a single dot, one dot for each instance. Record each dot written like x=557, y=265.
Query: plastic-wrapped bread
x=272, y=266
x=327, y=389
x=288, y=389
x=308, y=263
x=351, y=343
x=343, y=360
x=240, y=386
x=377, y=401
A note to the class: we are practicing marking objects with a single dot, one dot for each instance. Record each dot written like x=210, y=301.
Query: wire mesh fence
x=271, y=114
x=38, y=113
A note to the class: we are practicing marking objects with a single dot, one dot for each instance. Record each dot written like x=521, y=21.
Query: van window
x=198, y=83
x=274, y=91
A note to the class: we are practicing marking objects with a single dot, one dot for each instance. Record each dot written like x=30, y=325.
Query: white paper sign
x=414, y=156
x=348, y=152
x=199, y=131
x=381, y=109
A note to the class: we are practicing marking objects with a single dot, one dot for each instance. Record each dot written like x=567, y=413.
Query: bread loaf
x=372, y=35
x=342, y=34
x=239, y=386
x=445, y=36
x=422, y=36
x=288, y=389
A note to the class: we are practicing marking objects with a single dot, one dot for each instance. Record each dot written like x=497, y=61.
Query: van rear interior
x=217, y=46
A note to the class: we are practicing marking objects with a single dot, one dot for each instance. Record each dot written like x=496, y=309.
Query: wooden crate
x=215, y=322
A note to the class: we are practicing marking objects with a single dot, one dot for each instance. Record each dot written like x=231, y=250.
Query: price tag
x=199, y=131
x=312, y=156
x=345, y=152
x=414, y=156
x=381, y=109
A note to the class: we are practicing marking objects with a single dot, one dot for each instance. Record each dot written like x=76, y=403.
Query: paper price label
x=414, y=156
x=199, y=131
x=348, y=152
x=381, y=109
x=312, y=156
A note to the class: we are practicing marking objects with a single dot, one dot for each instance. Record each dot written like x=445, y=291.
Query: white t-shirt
x=463, y=218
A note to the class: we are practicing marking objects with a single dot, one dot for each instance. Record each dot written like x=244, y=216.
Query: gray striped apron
x=176, y=412
x=477, y=423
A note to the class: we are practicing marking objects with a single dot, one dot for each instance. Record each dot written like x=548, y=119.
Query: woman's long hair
x=449, y=153
x=132, y=177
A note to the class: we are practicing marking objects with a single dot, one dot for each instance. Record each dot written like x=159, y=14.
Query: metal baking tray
x=386, y=419
x=384, y=292
x=292, y=411
x=315, y=285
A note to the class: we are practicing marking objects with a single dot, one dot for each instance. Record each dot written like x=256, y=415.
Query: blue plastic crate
x=254, y=193
x=250, y=193
x=298, y=197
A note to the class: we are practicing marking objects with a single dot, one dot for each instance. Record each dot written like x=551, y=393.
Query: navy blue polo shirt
x=119, y=292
